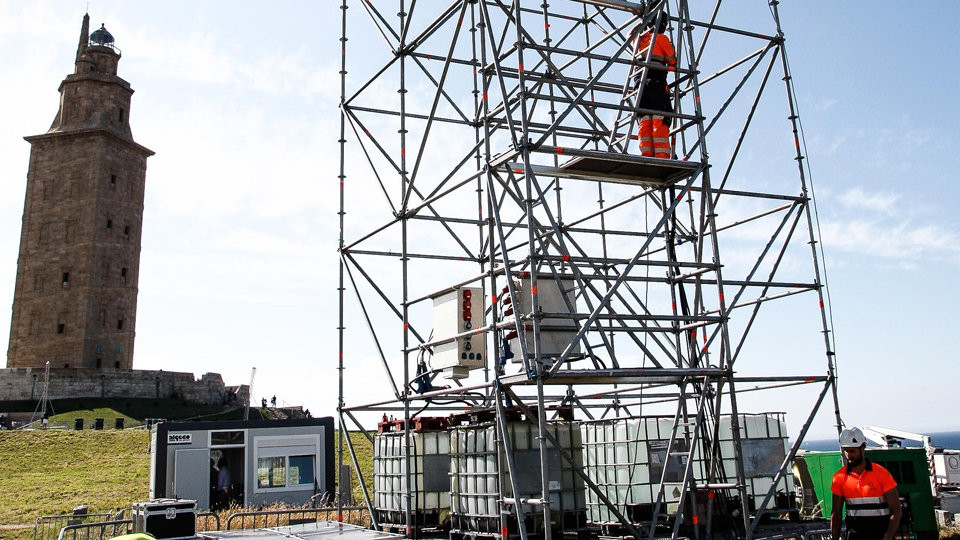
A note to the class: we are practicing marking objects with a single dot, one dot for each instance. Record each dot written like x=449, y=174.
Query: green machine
x=814, y=472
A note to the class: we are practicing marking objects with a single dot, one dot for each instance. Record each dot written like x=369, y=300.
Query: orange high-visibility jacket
x=663, y=51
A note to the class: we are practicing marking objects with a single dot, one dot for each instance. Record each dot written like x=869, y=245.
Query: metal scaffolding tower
x=490, y=146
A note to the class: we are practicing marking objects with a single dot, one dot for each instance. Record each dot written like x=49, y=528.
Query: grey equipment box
x=166, y=518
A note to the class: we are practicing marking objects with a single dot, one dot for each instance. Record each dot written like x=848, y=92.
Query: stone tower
x=75, y=301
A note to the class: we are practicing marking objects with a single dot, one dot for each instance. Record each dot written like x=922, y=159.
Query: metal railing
x=203, y=521
x=293, y=516
x=99, y=530
x=48, y=527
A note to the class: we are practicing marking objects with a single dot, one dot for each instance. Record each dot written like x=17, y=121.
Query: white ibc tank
x=475, y=484
x=764, y=441
x=430, y=453
x=627, y=457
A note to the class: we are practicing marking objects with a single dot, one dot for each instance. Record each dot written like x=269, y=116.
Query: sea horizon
x=940, y=439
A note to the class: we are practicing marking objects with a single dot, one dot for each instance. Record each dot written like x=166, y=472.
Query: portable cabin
x=269, y=461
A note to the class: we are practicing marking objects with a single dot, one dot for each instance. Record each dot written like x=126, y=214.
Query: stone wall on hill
x=65, y=383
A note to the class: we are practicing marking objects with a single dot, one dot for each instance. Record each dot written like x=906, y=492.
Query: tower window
x=65, y=278
x=99, y=362
x=123, y=274
x=109, y=223
x=61, y=327
x=119, y=324
x=126, y=230
x=116, y=364
x=120, y=116
x=113, y=179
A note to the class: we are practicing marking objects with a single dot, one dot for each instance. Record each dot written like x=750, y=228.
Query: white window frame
x=274, y=441
x=212, y=446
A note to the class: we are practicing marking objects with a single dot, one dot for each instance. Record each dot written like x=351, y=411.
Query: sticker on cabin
x=179, y=438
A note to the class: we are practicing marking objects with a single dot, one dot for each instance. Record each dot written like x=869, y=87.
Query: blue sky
x=239, y=259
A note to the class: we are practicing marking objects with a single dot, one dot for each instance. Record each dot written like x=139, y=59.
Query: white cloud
x=878, y=201
x=900, y=239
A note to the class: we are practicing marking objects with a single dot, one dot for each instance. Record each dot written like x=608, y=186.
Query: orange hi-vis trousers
x=654, y=137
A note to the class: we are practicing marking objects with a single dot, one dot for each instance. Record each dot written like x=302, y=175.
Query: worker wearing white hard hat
x=868, y=491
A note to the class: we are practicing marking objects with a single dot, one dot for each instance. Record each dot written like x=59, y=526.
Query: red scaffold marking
x=673, y=305
x=366, y=132
x=796, y=142
x=503, y=532
x=340, y=518
x=565, y=258
x=518, y=171
x=484, y=94
x=721, y=298
x=821, y=304
x=533, y=290
x=406, y=326
x=403, y=151
x=520, y=68
x=341, y=185
x=559, y=150
x=546, y=25
x=679, y=196
x=810, y=379
x=696, y=520
x=493, y=299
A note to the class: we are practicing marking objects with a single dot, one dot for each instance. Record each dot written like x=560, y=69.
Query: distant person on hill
x=273, y=401
x=45, y=420
x=263, y=402
x=867, y=489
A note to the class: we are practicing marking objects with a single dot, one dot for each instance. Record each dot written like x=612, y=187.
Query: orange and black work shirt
x=662, y=53
x=868, y=515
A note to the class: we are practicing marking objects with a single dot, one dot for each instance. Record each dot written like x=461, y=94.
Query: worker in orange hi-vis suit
x=654, y=131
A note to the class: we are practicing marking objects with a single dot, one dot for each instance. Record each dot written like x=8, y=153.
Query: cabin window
x=226, y=438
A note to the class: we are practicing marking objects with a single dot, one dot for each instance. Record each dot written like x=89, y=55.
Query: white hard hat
x=852, y=437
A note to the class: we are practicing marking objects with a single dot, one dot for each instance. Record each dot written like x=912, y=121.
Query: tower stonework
x=75, y=300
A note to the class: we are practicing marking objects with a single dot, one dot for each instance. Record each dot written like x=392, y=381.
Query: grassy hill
x=134, y=411
x=49, y=472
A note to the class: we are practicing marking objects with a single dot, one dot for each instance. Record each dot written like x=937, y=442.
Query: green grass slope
x=49, y=472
